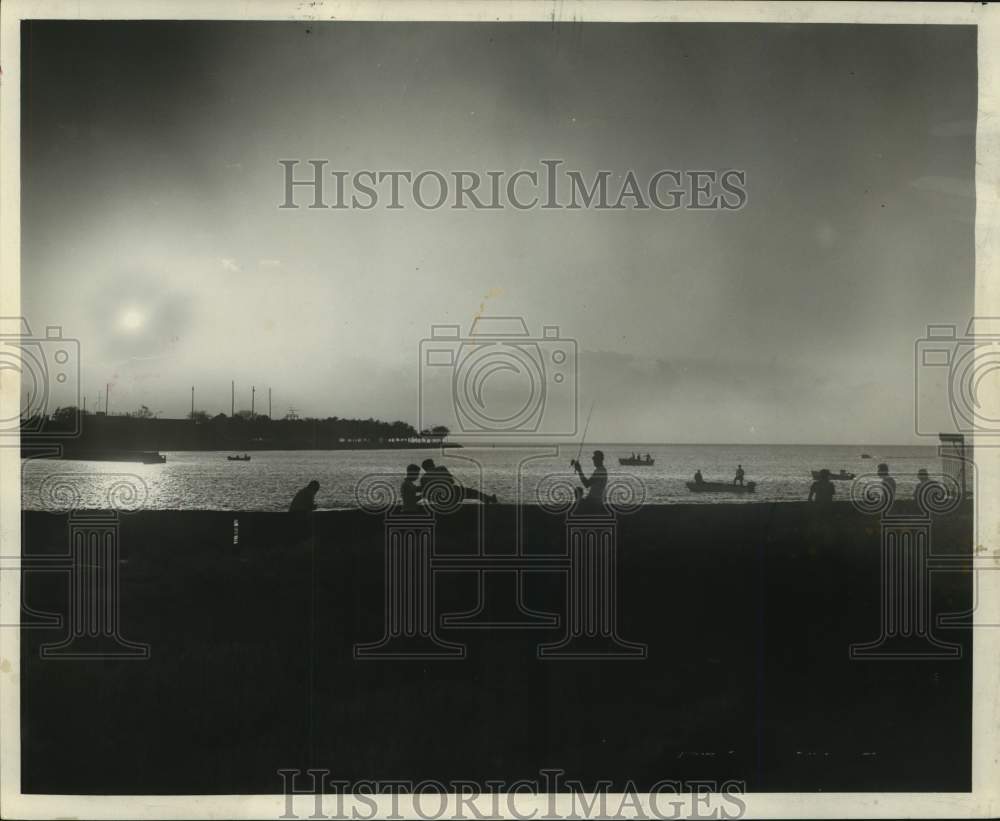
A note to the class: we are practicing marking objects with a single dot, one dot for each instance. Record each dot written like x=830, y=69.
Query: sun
x=132, y=319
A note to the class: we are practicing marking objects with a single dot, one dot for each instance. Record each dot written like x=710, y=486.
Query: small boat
x=843, y=476
x=720, y=487
x=866, y=456
x=628, y=461
x=243, y=458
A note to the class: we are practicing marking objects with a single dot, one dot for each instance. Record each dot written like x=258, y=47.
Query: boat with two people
x=699, y=485
x=636, y=460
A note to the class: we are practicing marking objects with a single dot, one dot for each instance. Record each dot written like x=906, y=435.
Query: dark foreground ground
x=747, y=611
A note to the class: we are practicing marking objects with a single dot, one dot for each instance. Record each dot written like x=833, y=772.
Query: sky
x=151, y=230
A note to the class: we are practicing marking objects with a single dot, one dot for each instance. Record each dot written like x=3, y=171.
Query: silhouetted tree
x=65, y=417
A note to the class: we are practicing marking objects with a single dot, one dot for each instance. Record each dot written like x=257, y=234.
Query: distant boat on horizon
x=629, y=461
x=244, y=458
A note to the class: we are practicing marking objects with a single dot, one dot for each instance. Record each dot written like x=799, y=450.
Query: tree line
x=201, y=431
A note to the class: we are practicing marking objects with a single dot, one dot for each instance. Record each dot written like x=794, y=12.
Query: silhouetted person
x=739, y=475
x=597, y=484
x=440, y=475
x=698, y=478
x=301, y=507
x=887, y=481
x=822, y=490
x=410, y=492
x=305, y=499
x=924, y=479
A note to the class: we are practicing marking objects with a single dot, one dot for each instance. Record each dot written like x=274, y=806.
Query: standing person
x=820, y=527
x=923, y=480
x=440, y=475
x=740, y=474
x=597, y=483
x=887, y=481
x=698, y=478
x=301, y=508
x=822, y=490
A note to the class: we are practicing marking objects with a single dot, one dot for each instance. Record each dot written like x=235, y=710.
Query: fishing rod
x=586, y=427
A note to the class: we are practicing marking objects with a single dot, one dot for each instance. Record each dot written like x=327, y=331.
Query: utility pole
x=107, y=394
x=232, y=399
x=269, y=404
x=192, y=402
x=253, y=393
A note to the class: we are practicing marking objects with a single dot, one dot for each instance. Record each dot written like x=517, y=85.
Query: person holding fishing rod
x=597, y=483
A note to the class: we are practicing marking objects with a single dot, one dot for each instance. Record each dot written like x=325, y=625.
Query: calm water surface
x=206, y=480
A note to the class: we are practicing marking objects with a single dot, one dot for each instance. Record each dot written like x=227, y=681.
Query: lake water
x=206, y=480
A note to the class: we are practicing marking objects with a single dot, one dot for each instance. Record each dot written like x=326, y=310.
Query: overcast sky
x=151, y=230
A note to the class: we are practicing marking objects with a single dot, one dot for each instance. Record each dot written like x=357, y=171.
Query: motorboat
x=630, y=461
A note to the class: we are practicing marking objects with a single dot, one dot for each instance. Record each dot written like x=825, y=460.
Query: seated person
x=410, y=492
x=440, y=475
x=305, y=499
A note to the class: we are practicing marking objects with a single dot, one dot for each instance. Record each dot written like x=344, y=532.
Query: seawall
x=746, y=613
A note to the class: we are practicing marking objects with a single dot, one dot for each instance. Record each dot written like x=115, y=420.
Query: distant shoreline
x=90, y=455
